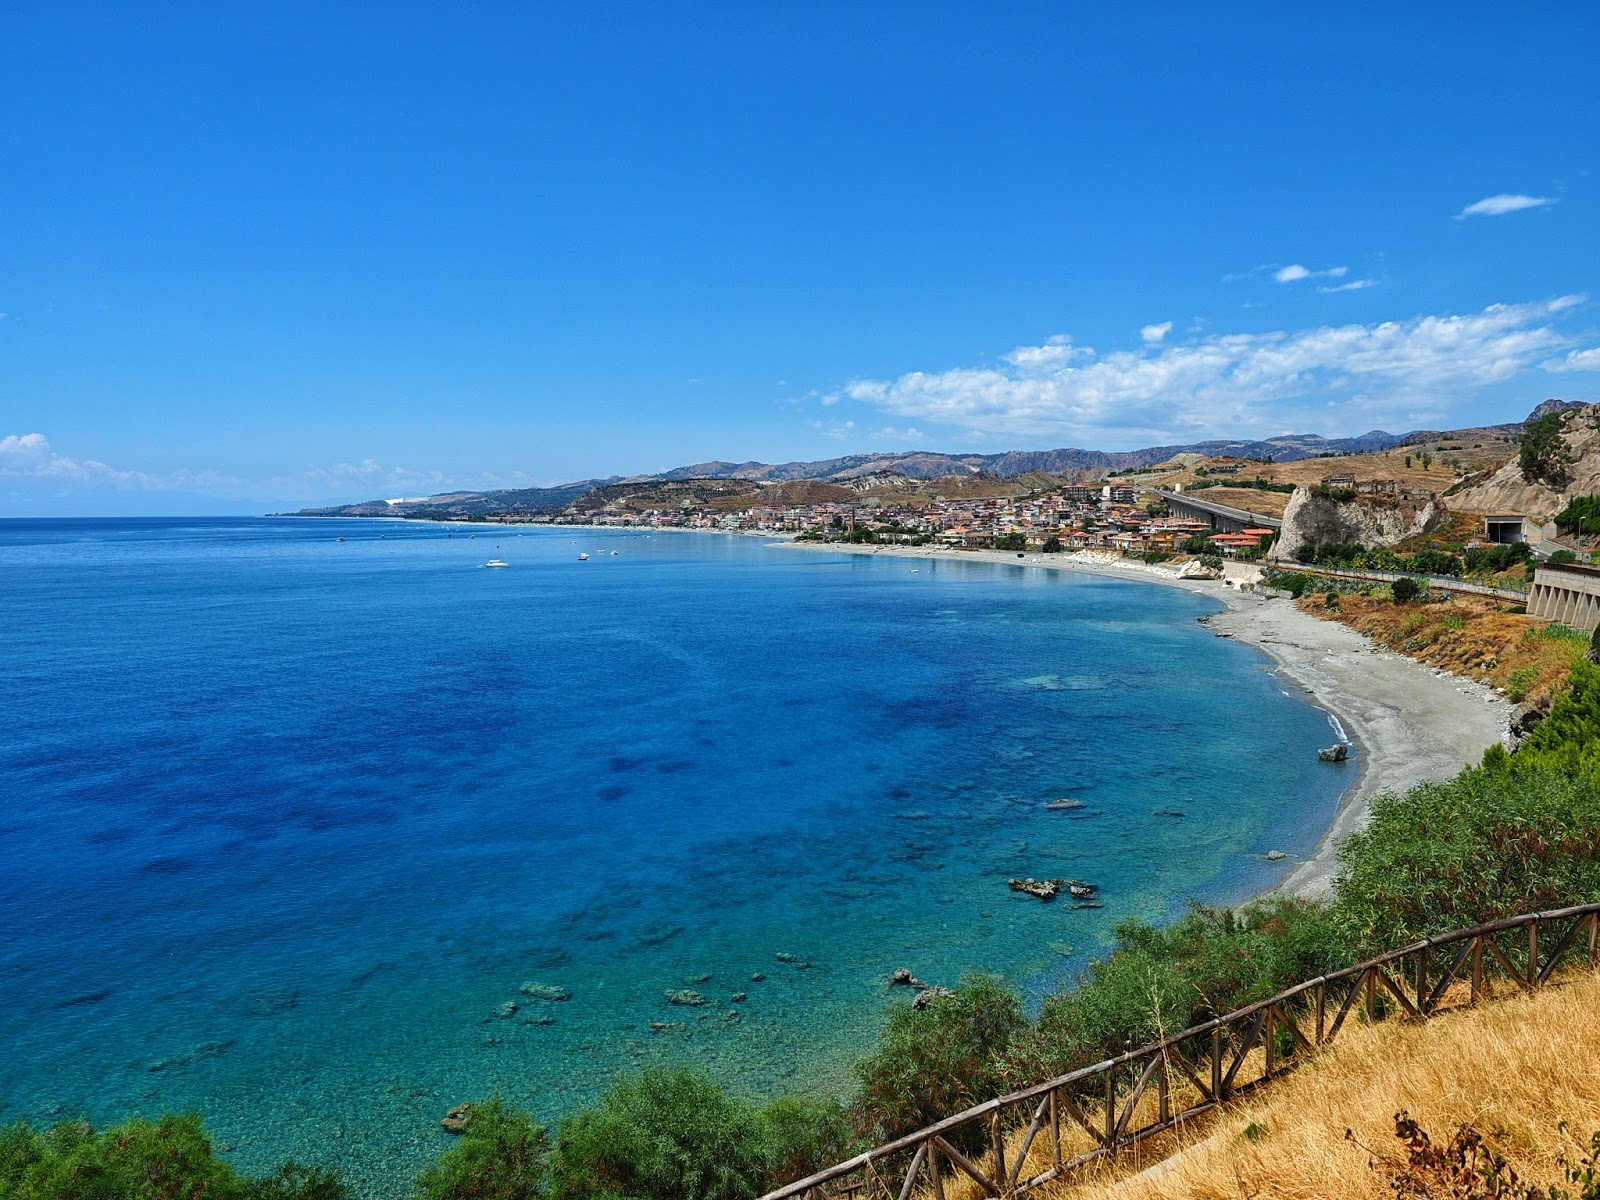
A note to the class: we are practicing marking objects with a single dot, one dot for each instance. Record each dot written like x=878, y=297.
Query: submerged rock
x=686, y=997
x=1065, y=804
x=508, y=1009
x=758, y=977
x=546, y=991
x=458, y=1118
x=697, y=980
x=1334, y=754
x=785, y=956
x=1274, y=856
x=739, y=997
x=659, y=1027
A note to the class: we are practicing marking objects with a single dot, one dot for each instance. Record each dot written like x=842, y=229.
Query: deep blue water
x=284, y=819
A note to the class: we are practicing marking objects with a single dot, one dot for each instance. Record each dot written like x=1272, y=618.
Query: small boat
x=495, y=562
x=1065, y=804
x=341, y=539
x=583, y=557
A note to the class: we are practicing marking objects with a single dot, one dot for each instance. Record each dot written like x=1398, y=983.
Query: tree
x=1406, y=590
x=1012, y=541
x=1543, y=453
x=1052, y=544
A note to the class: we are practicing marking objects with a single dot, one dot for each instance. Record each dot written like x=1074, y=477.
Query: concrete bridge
x=1568, y=593
x=1224, y=518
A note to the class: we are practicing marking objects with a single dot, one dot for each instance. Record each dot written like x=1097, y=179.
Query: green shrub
x=1452, y=622
x=1515, y=836
x=1556, y=632
x=1159, y=980
x=169, y=1159
x=501, y=1156
x=1405, y=590
x=1052, y=545
x=1011, y=541
x=1519, y=682
x=801, y=1137
x=934, y=1061
x=661, y=1135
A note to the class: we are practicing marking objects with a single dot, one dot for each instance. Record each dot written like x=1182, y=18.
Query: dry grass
x=1472, y=636
x=1514, y=1070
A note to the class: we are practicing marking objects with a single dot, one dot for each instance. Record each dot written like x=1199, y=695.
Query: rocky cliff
x=1314, y=516
x=1504, y=490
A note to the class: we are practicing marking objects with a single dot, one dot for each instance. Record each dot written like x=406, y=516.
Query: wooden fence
x=1012, y=1144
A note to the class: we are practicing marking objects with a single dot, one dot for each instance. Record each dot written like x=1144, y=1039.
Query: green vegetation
x=934, y=1061
x=1407, y=589
x=501, y=1156
x=1562, y=558
x=1052, y=545
x=1011, y=541
x=1543, y=453
x=1581, y=515
x=1480, y=562
x=170, y=1159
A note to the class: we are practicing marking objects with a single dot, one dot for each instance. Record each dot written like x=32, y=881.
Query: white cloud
x=1228, y=381
x=1355, y=285
x=1505, y=202
x=1295, y=272
x=1155, y=334
x=1576, y=360
x=30, y=456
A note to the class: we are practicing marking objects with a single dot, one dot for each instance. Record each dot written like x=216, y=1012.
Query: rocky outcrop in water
x=457, y=1119
x=1049, y=889
x=1334, y=754
x=686, y=997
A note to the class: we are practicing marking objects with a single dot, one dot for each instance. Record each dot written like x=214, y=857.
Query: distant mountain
x=913, y=464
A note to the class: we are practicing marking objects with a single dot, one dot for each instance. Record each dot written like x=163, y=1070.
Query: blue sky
x=262, y=255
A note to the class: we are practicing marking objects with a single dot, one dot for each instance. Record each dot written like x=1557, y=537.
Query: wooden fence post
x=1216, y=1065
x=1533, y=952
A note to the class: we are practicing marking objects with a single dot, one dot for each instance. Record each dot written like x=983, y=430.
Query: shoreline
x=1410, y=723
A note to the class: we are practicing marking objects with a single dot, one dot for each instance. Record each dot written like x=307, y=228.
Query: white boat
x=583, y=558
x=495, y=562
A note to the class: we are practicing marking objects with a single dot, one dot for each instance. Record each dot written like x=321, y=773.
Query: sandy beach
x=1411, y=722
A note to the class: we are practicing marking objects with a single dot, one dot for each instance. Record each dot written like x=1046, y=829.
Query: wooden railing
x=1012, y=1144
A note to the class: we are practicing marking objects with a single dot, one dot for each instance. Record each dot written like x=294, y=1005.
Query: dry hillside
x=1504, y=489
x=1469, y=635
x=1513, y=1070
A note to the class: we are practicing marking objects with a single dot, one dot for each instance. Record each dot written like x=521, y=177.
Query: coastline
x=1410, y=723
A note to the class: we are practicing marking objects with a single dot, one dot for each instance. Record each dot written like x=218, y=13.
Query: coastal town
x=1104, y=515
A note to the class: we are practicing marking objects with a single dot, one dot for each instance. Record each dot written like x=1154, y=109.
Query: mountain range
x=913, y=464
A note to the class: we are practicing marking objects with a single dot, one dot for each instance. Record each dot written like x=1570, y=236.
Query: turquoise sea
x=287, y=819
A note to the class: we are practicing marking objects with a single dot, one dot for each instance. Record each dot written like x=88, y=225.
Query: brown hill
x=1504, y=490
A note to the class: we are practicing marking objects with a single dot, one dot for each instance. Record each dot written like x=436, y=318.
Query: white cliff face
x=1370, y=522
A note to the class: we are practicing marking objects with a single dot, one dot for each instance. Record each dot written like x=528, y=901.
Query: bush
x=934, y=1061
x=1405, y=590
x=1052, y=545
x=1563, y=558
x=169, y=1159
x=501, y=1156
x=661, y=1135
x=1511, y=837
x=1160, y=980
x=1011, y=541
x=800, y=1137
